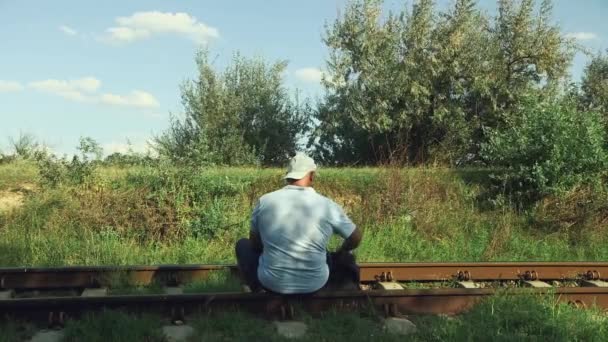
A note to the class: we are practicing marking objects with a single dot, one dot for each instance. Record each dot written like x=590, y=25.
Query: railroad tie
x=594, y=283
x=6, y=294
x=390, y=310
x=389, y=285
x=468, y=284
x=536, y=283
x=173, y=290
x=97, y=292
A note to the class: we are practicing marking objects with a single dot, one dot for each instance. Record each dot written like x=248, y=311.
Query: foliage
x=80, y=170
x=243, y=115
x=425, y=83
x=551, y=147
x=129, y=159
x=5, y=158
x=52, y=169
x=24, y=146
x=164, y=214
x=595, y=86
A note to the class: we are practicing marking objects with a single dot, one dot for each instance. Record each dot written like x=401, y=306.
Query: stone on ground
x=174, y=290
x=48, y=336
x=399, y=326
x=291, y=329
x=96, y=292
x=177, y=333
x=6, y=294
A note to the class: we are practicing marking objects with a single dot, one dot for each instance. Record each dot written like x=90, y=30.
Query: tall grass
x=145, y=215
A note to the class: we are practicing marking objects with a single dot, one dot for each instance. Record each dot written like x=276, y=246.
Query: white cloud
x=85, y=90
x=312, y=75
x=136, y=98
x=582, y=35
x=10, y=86
x=68, y=30
x=126, y=34
x=142, y=25
x=75, y=90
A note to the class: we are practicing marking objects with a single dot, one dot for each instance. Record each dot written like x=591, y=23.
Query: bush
x=80, y=170
x=129, y=159
x=52, y=169
x=25, y=146
x=551, y=148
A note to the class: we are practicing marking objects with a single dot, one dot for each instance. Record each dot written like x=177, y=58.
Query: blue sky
x=111, y=70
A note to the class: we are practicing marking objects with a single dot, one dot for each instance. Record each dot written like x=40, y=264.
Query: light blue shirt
x=295, y=224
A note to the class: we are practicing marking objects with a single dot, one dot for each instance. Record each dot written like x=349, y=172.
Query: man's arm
x=343, y=226
x=352, y=242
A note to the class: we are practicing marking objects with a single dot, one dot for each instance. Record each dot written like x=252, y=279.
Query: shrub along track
x=54, y=294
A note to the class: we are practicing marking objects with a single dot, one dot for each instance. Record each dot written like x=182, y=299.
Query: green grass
x=15, y=174
x=114, y=326
x=11, y=331
x=155, y=215
x=219, y=281
x=146, y=215
x=500, y=318
x=517, y=318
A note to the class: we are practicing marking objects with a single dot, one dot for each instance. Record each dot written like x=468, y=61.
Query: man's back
x=295, y=225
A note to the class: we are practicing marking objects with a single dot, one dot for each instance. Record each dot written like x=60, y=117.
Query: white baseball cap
x=299, y=166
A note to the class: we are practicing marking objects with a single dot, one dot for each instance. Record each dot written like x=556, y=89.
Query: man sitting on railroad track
x=290, y=229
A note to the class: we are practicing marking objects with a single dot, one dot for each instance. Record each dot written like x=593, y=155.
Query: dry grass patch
x=10, y=200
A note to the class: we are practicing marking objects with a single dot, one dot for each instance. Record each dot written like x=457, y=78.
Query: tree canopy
x=242, y=115
x=423, y=84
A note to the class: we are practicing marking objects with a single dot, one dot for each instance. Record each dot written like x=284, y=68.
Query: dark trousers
x=343, y=269
x=247, y=260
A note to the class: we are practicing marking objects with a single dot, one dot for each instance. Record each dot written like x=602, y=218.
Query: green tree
x=368, y=115
x=423, y=85
x=594, y=86
x=243, y=115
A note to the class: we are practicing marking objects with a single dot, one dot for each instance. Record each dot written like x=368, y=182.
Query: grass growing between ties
x=501, y=318
x=218, y=281
x=114, y=326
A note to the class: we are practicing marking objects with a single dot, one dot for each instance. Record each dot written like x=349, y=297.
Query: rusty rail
x=55, y=309
x=95, y=276
x=430, y=301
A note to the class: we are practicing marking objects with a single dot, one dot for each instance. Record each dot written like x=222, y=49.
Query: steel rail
x=95, y=276
x=179, y=306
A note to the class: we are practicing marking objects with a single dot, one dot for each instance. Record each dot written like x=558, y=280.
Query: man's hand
x=352, y=242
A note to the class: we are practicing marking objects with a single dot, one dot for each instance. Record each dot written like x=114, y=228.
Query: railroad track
x=53, y=294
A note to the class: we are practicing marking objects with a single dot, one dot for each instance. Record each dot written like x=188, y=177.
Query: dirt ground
x=13, y=199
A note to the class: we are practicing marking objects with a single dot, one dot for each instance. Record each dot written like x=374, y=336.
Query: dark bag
x=344, y=273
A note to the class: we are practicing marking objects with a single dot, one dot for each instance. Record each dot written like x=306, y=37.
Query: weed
x=114, y=326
